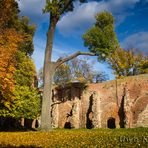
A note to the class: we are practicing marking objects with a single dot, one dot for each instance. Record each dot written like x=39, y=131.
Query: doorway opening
x=111, y=123
x=67, y=125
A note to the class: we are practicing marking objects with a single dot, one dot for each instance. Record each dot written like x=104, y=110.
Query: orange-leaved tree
x=18, y=98
x=9, y=41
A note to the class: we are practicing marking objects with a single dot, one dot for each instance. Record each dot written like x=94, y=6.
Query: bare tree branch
x=63, y=60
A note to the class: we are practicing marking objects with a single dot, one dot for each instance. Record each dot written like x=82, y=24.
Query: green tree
x=28, y=31
x=143, y=65
x=128, y=62
x=101, y=38
x=25, y=70
x=26, y=103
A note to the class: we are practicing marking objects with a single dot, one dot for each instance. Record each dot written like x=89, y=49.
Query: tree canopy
x=59, y=7
x=101, y=38
x=78, y=70
x=128, y=62
x=8, y=14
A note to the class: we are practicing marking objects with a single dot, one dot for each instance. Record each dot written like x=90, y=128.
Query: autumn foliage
x=17, y=70
x=128, y=62
x=9, y=42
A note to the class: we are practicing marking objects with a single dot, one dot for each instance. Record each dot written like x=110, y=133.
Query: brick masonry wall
x=117, y=103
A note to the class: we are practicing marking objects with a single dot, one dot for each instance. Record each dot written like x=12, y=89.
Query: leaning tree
x=56, y=8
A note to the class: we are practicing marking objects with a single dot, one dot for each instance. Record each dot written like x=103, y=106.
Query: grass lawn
x=87, y=138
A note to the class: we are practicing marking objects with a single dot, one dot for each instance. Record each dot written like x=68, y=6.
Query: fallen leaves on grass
x=85, y=138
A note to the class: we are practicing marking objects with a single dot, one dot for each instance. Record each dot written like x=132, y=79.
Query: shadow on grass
x=18, y=130
x=21, y=146
x=10, y=124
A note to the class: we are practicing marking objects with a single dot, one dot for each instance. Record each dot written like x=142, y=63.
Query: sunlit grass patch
x=77, y=138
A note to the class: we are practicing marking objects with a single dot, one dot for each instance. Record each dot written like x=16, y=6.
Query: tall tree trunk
x=48, y=73
x=48, y=77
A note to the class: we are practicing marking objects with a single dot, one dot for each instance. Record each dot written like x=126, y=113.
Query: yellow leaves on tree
x=128, y=62
x=8, y=14
x=9, y=41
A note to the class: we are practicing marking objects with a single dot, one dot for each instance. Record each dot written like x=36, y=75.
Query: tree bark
x=48, y=73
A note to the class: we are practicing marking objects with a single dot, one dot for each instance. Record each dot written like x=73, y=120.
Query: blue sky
x=131, y=26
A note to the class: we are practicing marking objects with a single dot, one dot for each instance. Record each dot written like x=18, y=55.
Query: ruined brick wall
x=117, y=103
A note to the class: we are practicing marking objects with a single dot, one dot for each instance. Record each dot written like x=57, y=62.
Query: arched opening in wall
x=36, y=124
x=67, y=125
x=89, y=124
x=111, y=123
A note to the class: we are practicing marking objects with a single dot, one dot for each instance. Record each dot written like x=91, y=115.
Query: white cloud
x=81, y=18
x=118, y=6
x=83, y=15
x=138, y=40
x=33, y=9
